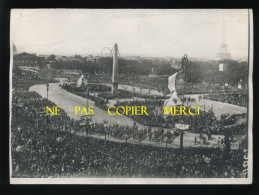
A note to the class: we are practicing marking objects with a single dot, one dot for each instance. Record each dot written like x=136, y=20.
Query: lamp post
x=87, y=94
x=149, y=93
x=204, y=98
x=87, y=127
x=105, y=131
x=133, y=93
x=166, y=141
x=184, y=63
x=87, y=98
x=47, y=85
x=181, y=139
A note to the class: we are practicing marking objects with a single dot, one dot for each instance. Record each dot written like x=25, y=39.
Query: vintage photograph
x=131, y=96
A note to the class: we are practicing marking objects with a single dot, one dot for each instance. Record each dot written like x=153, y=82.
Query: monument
x=115, y=71
x=223, y=53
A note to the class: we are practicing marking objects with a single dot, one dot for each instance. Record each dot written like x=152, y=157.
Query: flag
x=221, y=67
x=174, y=100
x=171, y=82
x=175, y=83
x=80, y=81
x=179, y=82
x=59, y=139
x=207, y=159
x=19, y=148
x=182, y=126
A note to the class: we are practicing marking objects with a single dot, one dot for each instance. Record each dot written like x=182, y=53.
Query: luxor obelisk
x=115, y=71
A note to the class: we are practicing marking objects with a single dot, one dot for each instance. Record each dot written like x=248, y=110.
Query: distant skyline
x=147, y=33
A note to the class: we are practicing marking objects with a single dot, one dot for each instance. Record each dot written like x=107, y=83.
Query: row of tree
x=208, y=72
x=196, y=71
x=126, y=66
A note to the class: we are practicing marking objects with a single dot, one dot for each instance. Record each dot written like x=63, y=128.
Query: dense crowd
x=52, y=146
x=24, y=81
x=99, y=78
x=124, y=94
x=206, y=122
x=237, y=99
x=53, y=149
x=62, y=154
x=81, y=91
x=160, y=83
x=93, y=87
x=100, y=94
x=157, y=82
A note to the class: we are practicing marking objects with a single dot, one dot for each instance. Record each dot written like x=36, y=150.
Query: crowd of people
x=157, y=82
x=53, y=146
x=213, y=91
x=62, y=154
x=102, y=93
x=234, y=98
x=81, y=91
x=25, y=80
x=124, y=94
x=99, y=78
x=93, y=87
x=160, y=83
x=205, y=123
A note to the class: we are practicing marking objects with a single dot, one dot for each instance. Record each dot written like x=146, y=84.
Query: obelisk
x=115, y=71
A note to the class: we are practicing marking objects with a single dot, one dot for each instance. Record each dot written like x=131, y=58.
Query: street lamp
x=47, y=91
x=87, y=97
x=105, y=131
x=126, y=137
x=181, y=139
x=87, y=93
x=166, y=141
x=133, y=93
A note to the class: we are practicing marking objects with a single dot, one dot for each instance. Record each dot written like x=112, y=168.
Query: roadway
x=67, y=101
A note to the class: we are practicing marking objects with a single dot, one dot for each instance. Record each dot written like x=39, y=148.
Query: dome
x=14, y=48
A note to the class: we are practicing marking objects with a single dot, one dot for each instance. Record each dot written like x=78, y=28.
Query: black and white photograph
x=131, y=96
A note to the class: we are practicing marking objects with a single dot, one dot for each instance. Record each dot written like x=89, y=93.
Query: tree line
x=196, y=71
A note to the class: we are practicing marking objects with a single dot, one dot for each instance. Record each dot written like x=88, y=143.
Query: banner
x=182, y=126
x=175, y=83
x=173, y=101
x=221, y=67
x=171, y=82
x=80, y=81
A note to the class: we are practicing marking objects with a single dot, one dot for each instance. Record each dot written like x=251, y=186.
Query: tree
x=227, y=144
x=51, y=58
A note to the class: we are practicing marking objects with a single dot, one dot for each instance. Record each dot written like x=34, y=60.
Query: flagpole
x=184, y=62
x=47, y=90
x=87, y=98
x=87, y=91
x=183, y=82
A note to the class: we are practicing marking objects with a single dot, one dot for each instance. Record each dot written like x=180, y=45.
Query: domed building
x=14, y=49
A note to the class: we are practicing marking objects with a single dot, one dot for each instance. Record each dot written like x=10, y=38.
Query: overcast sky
x=149, y=32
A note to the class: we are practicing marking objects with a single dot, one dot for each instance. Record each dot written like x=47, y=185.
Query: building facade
x=26, y=60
